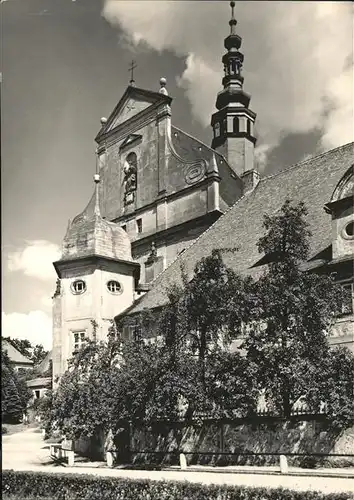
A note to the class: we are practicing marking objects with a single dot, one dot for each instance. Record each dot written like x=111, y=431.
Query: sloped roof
x=39, y=382
x=89, y=234
x=312, y=182
x=44, y=365
x=14, y=355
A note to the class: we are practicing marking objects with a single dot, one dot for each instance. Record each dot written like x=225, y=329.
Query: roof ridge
x=290, y=167
x=205, y=232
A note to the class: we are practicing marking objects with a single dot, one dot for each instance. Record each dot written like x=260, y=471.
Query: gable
x=133, y=102
x=131, y=107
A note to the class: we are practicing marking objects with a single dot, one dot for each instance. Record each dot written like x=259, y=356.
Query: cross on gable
x=132, y=67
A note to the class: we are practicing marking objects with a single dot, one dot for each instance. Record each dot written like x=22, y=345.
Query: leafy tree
x=334, y=387
x=14, y=392
x=38, y=354
x=291, y=313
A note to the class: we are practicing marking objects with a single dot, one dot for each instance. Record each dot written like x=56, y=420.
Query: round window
x=349, y=230
x=114, y=286
x=78, y=286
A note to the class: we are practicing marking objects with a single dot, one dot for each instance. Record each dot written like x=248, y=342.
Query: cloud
x=298, y=59
x=35, y=259
x=36, y=326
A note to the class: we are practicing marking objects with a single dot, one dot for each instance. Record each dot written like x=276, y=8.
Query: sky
x=65, y=65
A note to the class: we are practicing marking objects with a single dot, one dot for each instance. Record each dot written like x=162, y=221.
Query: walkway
x=27, y=451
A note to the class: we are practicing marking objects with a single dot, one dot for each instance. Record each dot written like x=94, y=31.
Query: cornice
x=208, y=179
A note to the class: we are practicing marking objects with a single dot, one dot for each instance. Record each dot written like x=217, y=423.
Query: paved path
x=27, y=451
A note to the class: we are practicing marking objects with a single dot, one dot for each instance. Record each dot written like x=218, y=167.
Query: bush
x=37, y=485
x=3, y=430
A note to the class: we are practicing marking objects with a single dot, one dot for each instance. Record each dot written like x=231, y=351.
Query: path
x=27, y=451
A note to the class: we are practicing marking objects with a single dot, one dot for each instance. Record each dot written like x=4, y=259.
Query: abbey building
x=163, y=198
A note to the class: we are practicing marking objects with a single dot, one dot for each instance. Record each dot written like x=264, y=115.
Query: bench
x=59, y=451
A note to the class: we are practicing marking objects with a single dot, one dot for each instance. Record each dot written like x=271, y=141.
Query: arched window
x=217, y=129
x=236, y=125
x=249, y=127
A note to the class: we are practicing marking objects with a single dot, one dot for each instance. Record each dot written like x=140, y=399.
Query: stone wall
x=211, y=441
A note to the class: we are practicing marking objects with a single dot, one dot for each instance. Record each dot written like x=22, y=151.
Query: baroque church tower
x=96, y=278
x=233, y=123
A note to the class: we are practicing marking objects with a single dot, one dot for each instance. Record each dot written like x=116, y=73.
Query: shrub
x=3, y=430
x=37, y=485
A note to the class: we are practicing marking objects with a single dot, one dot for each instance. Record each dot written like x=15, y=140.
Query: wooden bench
x=60, y=451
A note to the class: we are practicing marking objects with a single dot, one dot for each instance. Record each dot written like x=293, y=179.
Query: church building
x=163, y=198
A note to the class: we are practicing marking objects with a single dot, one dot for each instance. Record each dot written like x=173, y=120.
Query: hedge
x=39, y=485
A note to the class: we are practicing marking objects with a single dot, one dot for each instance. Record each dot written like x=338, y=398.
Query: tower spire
x=233, y=122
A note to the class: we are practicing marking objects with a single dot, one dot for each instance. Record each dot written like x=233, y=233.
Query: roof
x=44, y=365
x=14, y=355
x=39, y=382
x=89, y=234
x=312, y=182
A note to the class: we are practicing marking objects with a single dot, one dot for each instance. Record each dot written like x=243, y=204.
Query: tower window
x=224, y=126
x=248, y=127
x=236, y=125
x=217, y=129
x=114, y=286
x=139, y=225
x=78, y=287
x=79, y=339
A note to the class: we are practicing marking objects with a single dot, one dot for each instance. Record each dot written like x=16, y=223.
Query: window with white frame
x=78, y=287
x=79, y=339
x=114, y=286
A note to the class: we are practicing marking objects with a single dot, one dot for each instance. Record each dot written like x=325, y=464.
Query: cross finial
x=131, y=69
x=232, y=21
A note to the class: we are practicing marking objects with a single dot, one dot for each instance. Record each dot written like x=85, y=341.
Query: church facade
x=163, y=198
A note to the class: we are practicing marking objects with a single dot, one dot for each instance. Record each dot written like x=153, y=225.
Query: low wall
x=232, y=442
x=243, y=442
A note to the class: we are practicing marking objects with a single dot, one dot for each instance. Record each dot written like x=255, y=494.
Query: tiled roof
x=312, y=181
x=15, y=356
x=89, y=234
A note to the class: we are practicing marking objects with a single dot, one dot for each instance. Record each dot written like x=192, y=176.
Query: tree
x=14, y=392
x=292, y=312
x=38, y=354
